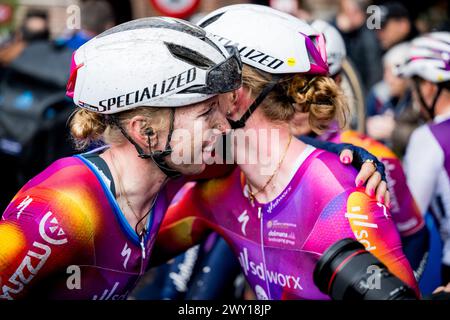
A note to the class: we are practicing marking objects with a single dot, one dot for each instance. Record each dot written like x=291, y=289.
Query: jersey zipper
x=142, y=245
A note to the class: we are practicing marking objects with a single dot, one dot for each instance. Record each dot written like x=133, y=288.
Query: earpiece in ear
x=149, y=131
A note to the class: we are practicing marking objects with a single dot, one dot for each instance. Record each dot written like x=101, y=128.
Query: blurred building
x=131, y=9
x=125, y=10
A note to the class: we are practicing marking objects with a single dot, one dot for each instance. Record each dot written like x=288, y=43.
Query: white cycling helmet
x=158, y=62
x=335, y=45
x=429, y=58
x=268, y=40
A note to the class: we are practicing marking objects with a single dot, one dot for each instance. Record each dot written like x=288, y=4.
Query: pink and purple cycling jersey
x=279, y=243
x=404, y=209
x=63, y=236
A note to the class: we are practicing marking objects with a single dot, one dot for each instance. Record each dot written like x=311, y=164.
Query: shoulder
x=34, y=216
x=66, y=192
x=423, y=151
x=423, y=144
x=440, y=130
x=421, y=134
x=325, y=169
x=65, y=171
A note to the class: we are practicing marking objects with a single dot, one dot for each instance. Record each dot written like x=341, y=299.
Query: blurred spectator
x=11, y=49
x=361, y=43
x=34, y=27
x=33, y=108
x=96, y=17
x=388, y=98
x=405, y=123
x=396, y=25
x=434, y=17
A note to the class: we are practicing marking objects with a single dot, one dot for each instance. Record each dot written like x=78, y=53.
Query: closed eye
x=204, y=114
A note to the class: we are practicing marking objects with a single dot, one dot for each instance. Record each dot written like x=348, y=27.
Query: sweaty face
x=197, y=128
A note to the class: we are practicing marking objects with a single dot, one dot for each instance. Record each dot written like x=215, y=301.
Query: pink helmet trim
x=318, y=54
x=70, y=88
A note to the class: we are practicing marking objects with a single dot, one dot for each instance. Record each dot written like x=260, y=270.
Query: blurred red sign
x=5, y=13
x=176, y=8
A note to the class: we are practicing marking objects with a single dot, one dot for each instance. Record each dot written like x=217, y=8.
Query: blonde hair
x=87, y=126
x=319, y=96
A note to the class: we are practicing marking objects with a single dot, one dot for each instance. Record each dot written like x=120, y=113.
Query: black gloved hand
x=360, y=155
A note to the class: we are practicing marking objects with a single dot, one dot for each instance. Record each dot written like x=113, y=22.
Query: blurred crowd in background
x=37, y=42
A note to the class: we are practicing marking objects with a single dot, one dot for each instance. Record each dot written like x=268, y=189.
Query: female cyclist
x=279, y=223
x=84, y=228
x=405, y=212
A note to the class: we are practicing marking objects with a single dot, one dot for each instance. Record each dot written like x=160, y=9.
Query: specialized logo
x=251, y=54
x=35, y=258
x=23, y=205
x=155, y=90
x=272, y=277
x=243, y=219
x=385, y=213
x=126, y=253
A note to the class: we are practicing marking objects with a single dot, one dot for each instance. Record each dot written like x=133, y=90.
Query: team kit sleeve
x=182, y=226
x=373, y=226
x=36, y=243
x=351, y=213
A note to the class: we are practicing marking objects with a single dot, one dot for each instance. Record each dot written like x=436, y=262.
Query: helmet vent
x=211, y=20
x=190, y=56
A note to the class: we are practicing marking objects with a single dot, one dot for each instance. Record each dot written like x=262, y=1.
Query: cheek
x=225, y=103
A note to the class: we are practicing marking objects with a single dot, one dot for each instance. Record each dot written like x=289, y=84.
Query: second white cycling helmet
x=270, y=41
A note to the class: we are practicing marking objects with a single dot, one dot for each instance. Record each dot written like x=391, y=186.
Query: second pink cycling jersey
x=279, y=243
x=404, y=210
